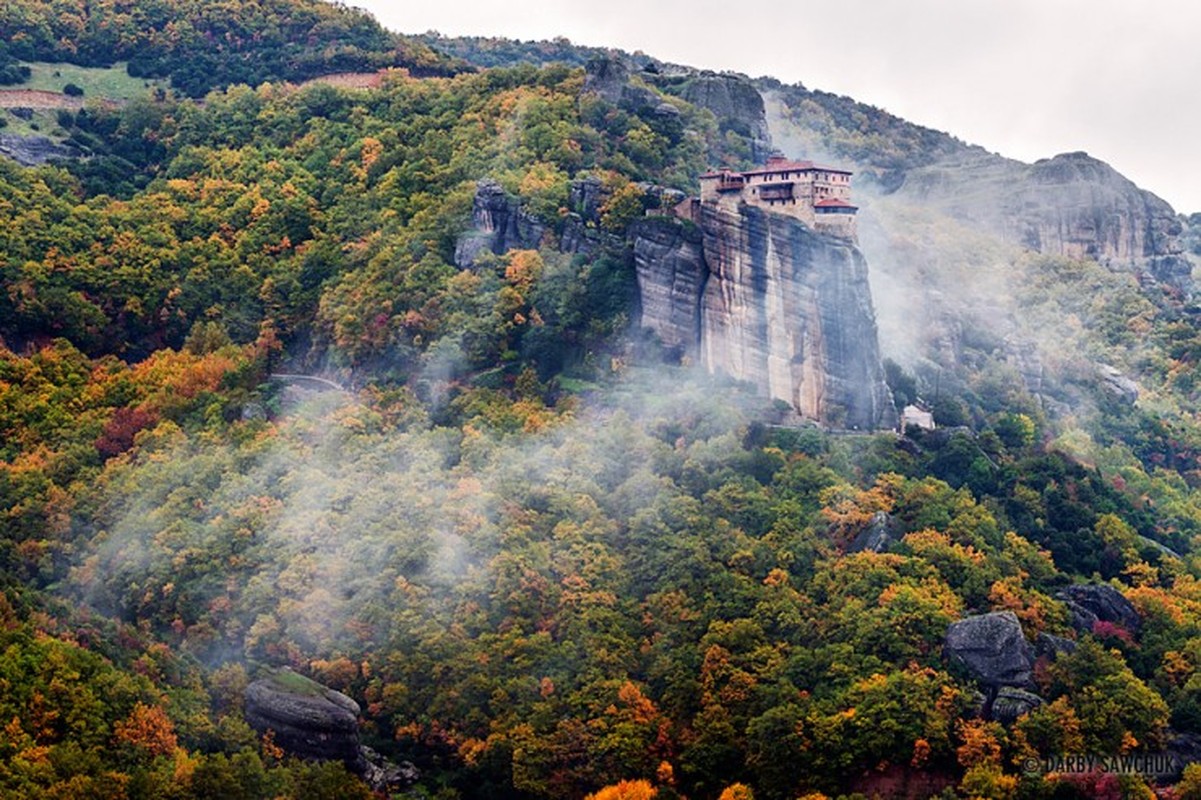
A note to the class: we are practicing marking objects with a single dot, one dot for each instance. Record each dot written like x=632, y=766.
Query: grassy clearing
x=112, y=83
x=45, y=120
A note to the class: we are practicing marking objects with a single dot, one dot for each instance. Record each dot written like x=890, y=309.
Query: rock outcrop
x=1092, y=603
x=499, y=224
x=30, y=151
x=1011, y=703
x=790, y=311
x=735, y=102
x=993, y=649
x=306, y=718
x=312, y=721
x=1071, y=205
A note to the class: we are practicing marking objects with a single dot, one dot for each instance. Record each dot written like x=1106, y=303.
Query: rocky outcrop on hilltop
x=735, y=102
x=1071, y=205
x=790, y=311
x=498, y=224
x=1076, y=205
x=733, y=98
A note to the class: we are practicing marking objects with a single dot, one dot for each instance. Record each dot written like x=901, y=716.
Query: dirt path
x=33, y=98
x=350, y=80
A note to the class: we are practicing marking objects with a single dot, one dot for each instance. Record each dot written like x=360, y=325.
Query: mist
x=326, y=532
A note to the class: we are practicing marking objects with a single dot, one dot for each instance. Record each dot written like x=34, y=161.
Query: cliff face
x=790, y=311
x=1071, y=205
x=765, y=299
x=498, y=224
x=735, y=102
x=670, y=262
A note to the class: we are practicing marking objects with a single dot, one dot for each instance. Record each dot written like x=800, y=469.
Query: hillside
x=403, y=422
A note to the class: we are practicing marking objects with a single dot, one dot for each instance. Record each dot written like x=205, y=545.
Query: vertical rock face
x=790, y=311
x=1071, y=205
x=670, y=263
x=499, y=224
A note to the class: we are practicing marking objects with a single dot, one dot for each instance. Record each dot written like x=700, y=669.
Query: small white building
x=916, y=417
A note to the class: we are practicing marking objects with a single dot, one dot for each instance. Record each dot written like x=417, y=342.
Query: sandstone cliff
x=790, y=310
x=669, y=259
x=763, y=298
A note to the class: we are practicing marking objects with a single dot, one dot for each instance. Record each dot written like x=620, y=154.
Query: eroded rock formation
x=993, y=649
x=790, y=311
x=762, y=298
x=498, y=224
x=306, y=718
x=669, y=259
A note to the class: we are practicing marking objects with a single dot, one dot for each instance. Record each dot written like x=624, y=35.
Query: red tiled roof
x=781, y=166
x=795, y=166
x=833, y=202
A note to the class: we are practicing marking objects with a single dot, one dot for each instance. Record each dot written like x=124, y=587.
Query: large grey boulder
x=1090, y=603
x=992, y=648
x=306, y=719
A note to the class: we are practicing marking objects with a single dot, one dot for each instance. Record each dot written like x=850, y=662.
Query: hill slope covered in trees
x=543, y=556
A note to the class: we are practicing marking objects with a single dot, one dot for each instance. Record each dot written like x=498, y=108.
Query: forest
x=546, y=558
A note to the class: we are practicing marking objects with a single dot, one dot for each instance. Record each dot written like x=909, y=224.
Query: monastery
x=818, y=196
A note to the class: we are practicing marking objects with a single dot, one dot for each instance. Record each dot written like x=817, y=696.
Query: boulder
x=306, y=719
x=992, y=648
x=1118, y=385
x=1090, y=603
x=1011, y=703
x=1048, y=645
